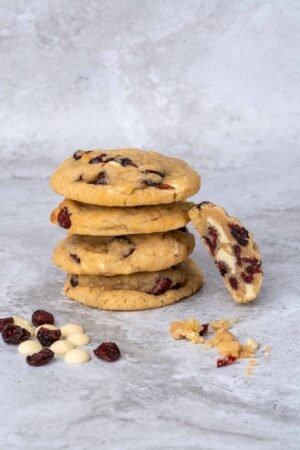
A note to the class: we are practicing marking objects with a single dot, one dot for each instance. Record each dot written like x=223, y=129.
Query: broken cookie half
x=235, y=253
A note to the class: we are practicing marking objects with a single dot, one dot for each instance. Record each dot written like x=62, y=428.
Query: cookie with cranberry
x=101, y=255
x=232, y=246
x=94, y=220
x=124, y=177
x=145, y=290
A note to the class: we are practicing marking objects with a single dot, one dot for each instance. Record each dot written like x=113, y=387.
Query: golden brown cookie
x=94, y=220
x=125, y=177
x=235, y=253
x=99, y=255
x=136, y=291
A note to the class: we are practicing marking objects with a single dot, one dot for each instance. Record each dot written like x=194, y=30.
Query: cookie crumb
x=222, y=323
x=187, y=329
x=267, y=350
x=248, y=371
x=252, y=363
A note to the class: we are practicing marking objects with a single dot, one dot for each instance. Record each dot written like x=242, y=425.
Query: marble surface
x=216, y=83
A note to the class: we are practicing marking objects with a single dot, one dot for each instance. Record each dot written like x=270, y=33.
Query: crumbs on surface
x=226, y=343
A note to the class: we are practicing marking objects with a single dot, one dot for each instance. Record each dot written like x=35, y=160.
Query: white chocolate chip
x=249, y=291
x=46, y=325
x=71, y=328
x=24, y=323
x=61, y=347
x=229, y=259
x=223, y=238
x=77, y=356
x=29, y=347
x=78, y=339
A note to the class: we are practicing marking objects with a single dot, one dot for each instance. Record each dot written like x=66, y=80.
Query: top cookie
x=235, y=253
x=125, y=177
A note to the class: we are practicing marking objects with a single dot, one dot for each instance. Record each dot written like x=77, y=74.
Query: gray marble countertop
x=162, y=394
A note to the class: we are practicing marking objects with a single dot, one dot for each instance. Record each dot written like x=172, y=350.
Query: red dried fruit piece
x=109, y=351
x=221, y=362
x=48, y=337
x=13, y=334
x=204, y=329
x=75, y=258
x=97, y=159
x=74, y=281
x=237, y=253
x=40, y=317
x=223, y=269
x=248, y=278
x=121, y=160
x=152, y=183
x=234, y=283
x=63, y=218
x=78, y=154
x=211, y=239
x=155, y=172
x=41, y=358
x=162, y=284
x=240, y=234
x=5, y=321
x=99, y=179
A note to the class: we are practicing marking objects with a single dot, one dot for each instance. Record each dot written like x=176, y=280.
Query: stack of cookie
x=127, y=247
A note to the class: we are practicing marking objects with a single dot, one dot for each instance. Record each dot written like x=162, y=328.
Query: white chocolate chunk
x=29, y=347
x=252, y=344
x=24, y=323
x=77, y=356
x=71, y=328
x=78, y=339
x=229, y=259
x=46, y=325
x=61, y=347
x=249, y=291
x=222, y=235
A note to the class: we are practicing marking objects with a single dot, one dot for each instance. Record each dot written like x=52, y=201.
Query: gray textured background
x=217, y=83
x=215, y=78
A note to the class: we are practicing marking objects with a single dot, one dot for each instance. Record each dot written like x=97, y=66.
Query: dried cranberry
x=240, y=234
x=254, y=262
x=248, y=278
x=223, y=269
x=47, y=337
x=221, y=362
x=237, y=254
x=41, y=358
x=63, y=218
x=13, y=334
x=40, y=317
x=155, y=172
x=204, y=329
x=74, y=281
x=5, y=321
x=109, y=351
x=99, y=179
x=177, y=286
x=211, y=239
x=75, y=258
x=121, y=160
x=80, y=178
x=233, y=282
x=97, y=159
x=78, y=154
x=157, y=185
x=162, y=284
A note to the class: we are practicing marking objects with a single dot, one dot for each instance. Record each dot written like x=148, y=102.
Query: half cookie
x=99, y=255
x=137, y=291
x=124, y=177
x=235, y=253
x=93, y=220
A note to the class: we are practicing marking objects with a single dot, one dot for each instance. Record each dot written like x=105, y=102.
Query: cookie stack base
x=134, y=300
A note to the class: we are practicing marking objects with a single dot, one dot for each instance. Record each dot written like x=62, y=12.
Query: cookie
x=235, y=253
x=99, y=255
x=137, y=291
x=94, y=220
x=125, y=177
